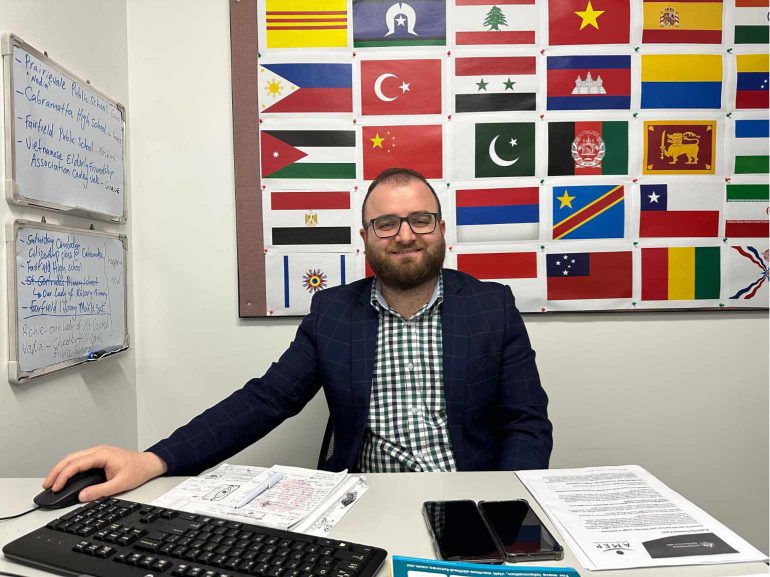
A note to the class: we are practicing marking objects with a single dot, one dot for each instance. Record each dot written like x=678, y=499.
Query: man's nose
x=405, y=232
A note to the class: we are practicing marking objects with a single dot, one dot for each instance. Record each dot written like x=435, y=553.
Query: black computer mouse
x=69, y=493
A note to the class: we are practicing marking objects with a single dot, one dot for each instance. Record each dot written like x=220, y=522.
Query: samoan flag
x=389, y=23
x=306, y=87
x=589, y=82
x=497, y=214
x=594, y=211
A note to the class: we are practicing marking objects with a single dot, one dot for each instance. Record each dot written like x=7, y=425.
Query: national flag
x=589, y=82
x=498, y=265
x=746, y=210
x=309, y=218
x=681, y=81
x=679, y=146
x=389, y=23
x=499, y=149
x=308, y=154
x=748, y=275
x=589, y=275
x=401, y=86
x=752, y=81
x=685, y=21
x=680, y=210
x=497, y=214
x=415, y=146
x=305, y=87
x=584, y=148
x=306, y=23
x=491, y=84
x=680, y=273
x=595, y=211
x=751, y=21
x=751, y=146
x=588, y=22
x=485, y=22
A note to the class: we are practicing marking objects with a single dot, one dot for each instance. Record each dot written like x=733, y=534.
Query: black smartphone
x=459, y=533
x=519, y=531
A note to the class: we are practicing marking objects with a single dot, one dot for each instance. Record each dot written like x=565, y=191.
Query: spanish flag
x=680, y=273
x=306, y=23
x=692, y=22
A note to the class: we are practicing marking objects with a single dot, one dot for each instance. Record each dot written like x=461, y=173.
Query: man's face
x=406, y=260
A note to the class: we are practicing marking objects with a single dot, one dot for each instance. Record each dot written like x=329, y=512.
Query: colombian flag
x=693, y=22
x=680, y=273
x=681, y=81
x=752, y=81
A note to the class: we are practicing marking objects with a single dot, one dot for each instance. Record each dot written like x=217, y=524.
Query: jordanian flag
x=308, y=154
x=584, y=148
x=680, y=273
x=751, y=146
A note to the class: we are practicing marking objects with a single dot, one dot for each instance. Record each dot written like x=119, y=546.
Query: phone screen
x=460, y=533
x=520, y=531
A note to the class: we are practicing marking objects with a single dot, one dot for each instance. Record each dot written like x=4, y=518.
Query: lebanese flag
x=490, y=22
x=401, y=87
x=417, y=146
x=588, y=22
x=680, y=210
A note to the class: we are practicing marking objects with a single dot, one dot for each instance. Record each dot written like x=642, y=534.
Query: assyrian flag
x=309, y=218
x=751, y=22
x=497, y=214
x=311, y=87
x=751, y=146
x=680, y=273
x=594, y=211
x=491, y=84
x=308, y=154
x=752, y=89
x=746, y=210
x=485, y=22
x=747, y=274
x=518, y=270
x=589, y=275
x=680, y=210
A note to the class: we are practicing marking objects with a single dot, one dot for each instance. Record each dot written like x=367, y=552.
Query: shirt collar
x=378, y=300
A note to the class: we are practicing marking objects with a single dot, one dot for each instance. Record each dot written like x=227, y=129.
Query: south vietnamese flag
x=401, y=86
x=588, y=22
x=415, y=146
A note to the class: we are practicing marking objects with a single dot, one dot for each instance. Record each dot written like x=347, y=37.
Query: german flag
x=306, y=23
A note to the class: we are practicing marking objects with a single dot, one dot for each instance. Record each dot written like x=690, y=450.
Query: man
x=423, y=368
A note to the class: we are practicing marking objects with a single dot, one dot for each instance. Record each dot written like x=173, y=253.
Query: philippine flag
x=311, y=87
x=497, y=214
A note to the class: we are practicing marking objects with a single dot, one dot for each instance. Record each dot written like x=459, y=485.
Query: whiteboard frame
x=15, y=375
x=11, y=190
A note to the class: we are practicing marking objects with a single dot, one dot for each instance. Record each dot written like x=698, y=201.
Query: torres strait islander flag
x=485, y=22
x=306, y=23
x=680, y=273
x=316, y=87
x=751, y=146
x=683, y=21
x=308, y=154
x=588, y=22
x=679, y=146
x=680, y=210
x=415, y=146
x=393, y=23
x=589, y=275
x=400, y=87
x=497, y=214
x=751, y=21
x=491, y=84
x=589, y=82
x=746, y=210
x=586, y=148
x=752, y=81
x=681, y=81
x=309, y=218
x=588, y=211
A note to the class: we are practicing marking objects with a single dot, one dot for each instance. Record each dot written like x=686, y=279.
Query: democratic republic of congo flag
x=595, y=211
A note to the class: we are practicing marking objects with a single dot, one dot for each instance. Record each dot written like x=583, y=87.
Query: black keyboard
x=118, y=538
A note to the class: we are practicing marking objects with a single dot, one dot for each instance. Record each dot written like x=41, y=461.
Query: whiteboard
x=67, y=297
x=64, y=139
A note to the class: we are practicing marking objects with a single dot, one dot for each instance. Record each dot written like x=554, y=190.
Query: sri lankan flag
x=306, y=23
x=680, y=273
x=585, y=148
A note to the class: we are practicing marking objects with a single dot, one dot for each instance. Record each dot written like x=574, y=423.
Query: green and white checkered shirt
x=407, y=428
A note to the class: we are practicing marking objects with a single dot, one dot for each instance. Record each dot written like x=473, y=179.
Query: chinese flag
x=401, y=87
x=414, y=146
x=588, y=22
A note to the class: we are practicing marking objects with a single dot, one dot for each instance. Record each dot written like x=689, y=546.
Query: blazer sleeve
x=249, y=413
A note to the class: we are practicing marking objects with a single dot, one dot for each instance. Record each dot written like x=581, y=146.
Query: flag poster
x=588, y=154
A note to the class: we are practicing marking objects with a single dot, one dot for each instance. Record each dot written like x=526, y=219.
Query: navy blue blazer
x=496, y=408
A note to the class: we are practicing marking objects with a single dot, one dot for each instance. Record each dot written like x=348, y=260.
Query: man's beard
x=407, y=275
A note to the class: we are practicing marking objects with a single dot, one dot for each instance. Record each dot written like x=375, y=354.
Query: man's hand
x=125, y=470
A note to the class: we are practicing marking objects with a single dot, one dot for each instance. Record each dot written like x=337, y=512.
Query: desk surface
x=388, y=516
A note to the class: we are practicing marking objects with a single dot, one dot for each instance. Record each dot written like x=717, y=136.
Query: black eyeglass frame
x=401, y=220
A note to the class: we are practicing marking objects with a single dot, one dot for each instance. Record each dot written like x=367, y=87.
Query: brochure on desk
x=623, y=517
x=416, y=567
x=305, y=500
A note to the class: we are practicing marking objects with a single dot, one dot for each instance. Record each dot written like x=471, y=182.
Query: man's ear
x=362, y=232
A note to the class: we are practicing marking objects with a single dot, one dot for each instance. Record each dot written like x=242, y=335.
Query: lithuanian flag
x=680, y=273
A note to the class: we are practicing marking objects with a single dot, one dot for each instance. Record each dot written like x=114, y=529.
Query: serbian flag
x=497, y=214
x=752, y=81
x=315, y=87
x=400, y=87
x=589, y=82
x=680, y=273
x=415, y=146
x=688, y=21
x=680, y=210
x=589, y=275
x=588, y=22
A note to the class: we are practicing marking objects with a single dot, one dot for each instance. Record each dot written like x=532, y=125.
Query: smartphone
x=459, y=532
x=519, y=531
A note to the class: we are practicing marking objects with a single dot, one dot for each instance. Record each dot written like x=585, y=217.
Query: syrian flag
x=497, y=214
x=495, y=83
x=680, y=210
x=308, y=154
x=309, y=218
x=486, y=22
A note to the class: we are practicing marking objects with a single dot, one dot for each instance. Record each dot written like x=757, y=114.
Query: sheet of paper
x=623, y=517
x=322, y=522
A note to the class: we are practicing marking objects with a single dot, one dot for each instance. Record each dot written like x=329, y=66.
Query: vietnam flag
x=680, y=273
x=401, y=87
x=415, y=146
x=583, y=148
x=589, y=275
x=588, y=22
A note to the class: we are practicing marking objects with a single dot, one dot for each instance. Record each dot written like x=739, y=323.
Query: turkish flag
x=412, y=146
x=400, y=87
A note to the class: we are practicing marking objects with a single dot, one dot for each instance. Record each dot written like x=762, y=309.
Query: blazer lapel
x=364, y=335
x=454, y=321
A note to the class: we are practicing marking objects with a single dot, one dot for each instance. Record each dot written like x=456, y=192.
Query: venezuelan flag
x=752, y=81
x=698, y=22
x=680, y=273
x=681, y=81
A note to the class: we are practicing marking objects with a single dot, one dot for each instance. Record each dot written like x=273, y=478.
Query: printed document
x=624, y=517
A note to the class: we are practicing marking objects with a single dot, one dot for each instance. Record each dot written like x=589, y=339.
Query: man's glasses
x=388, y=225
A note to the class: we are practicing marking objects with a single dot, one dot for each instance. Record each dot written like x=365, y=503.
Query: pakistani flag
x=500, y=149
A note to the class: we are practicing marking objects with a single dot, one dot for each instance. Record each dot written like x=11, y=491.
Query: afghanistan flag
x=418, y=147
x=588, y=211
x=485, y=22
x=589, y=82
x=583, y=148
x=751, y=146
x=316, y=87
x=751, y=22
x=681, y=81
x=495, y=83
x=302, y=218
x=308, y=153
x=388, y=23
x=497, y=214
x=306, y=23
x=752, y=81
x=589, y=275
x=500, y=149
x=400, y=87
x=748, y=275
x=746, y=210
x=680, y=273
x=679, y=146
x=680, y=210
x=588, y=22
x=686, y=21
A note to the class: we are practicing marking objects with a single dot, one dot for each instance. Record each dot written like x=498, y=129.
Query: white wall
x=42, y=420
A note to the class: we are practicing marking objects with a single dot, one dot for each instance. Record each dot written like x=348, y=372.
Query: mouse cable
x=11, y=574
x=35, y=508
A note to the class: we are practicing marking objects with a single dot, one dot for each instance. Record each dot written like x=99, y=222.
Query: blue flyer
x=413, y=567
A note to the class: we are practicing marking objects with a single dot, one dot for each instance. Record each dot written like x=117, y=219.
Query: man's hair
x=398, y=176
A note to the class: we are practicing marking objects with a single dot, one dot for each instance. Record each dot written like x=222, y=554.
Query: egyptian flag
x=309, y=217
x=600, y=148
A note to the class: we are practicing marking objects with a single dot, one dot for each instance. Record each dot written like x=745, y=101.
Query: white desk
x=388, y=515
